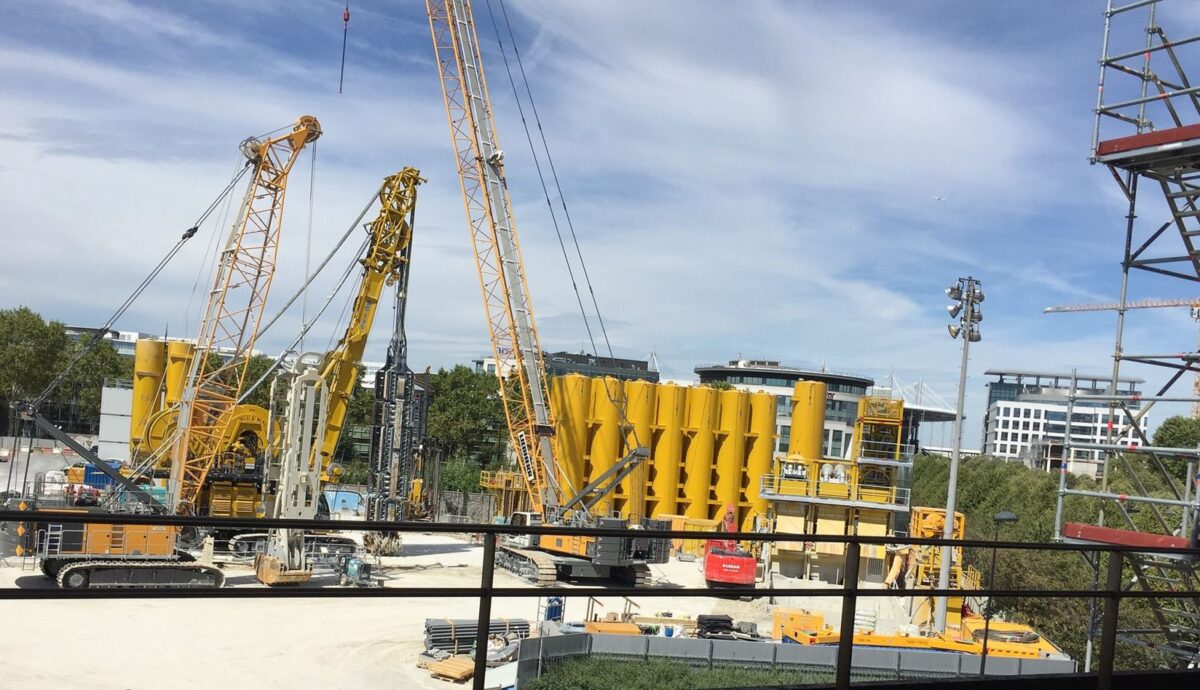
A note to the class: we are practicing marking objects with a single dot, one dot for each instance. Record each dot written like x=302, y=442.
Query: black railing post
x=484, y=623
x=845, y=652
x=1108, y=633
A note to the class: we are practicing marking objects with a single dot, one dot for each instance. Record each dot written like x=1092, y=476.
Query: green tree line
x=987, y=486
x=32, y=353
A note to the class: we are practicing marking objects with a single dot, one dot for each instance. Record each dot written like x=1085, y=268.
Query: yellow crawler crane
x=229, y=327
x=519, y=365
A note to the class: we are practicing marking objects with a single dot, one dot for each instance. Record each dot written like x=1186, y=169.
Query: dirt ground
x=286, y=643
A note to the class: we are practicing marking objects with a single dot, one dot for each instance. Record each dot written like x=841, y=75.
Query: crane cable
x=621, y=405
x=137, y=292
x=345, y=32
x=320, y=267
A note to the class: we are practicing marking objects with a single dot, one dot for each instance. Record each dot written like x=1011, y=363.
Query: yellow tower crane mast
x=229, y=327
x=480, y=163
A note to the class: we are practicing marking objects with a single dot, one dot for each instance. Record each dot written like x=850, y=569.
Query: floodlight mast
x=967, y=295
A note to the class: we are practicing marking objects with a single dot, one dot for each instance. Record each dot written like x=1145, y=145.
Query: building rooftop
x=1021, y=374
x=773, y=367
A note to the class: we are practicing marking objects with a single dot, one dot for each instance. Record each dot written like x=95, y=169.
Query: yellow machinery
x=707, y=449
x=209, y=437
x=811, y=494
x=524, y=393
x=237, y=489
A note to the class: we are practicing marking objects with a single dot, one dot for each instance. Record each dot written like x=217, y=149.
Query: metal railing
x=1111, y=592
x=799, y=487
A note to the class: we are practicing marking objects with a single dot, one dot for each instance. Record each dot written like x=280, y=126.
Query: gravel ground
x=286, y=643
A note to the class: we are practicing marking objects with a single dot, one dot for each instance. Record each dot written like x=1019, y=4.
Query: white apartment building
x=1026, y=420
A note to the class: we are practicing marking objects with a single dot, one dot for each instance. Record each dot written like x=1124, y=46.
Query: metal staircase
x=1147, y=125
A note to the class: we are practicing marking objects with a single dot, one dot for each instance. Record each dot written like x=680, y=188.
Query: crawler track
x=134, y=575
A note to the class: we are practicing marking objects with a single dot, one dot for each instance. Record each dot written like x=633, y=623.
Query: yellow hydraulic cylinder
x=179, y=359
x=698, y=459
x=606, y=438
x=666, y=454
x=571, y=399
x=731, y=454
x=759, y=455
x=149, y=366
x=808, y=420
x=639, y=410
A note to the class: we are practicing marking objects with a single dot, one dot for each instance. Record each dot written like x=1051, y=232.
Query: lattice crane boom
x=234, y=309
x=1116, y=306
x=480, y=163
x=1193, y=304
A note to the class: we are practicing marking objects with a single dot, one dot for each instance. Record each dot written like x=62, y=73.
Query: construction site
x=212, y=532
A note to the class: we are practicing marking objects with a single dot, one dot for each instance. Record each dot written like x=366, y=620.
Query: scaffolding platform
x=1161, y=153
x=1093, y=534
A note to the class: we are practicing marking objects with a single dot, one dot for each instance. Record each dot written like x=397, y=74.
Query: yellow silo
x=734, y=415
x=808, y=420
x=758, y=457
x=698, y=458
x=606, y=438
x=571, y=396
x=667, y=451
x=179, y=359
x=639, y=411
x=149, y=365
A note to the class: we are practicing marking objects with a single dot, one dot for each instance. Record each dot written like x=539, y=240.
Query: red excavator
x=726, y=563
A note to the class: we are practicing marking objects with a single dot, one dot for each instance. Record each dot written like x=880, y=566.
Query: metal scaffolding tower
x=1147, y=130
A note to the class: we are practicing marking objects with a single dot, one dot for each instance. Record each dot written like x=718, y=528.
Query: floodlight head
x=954, y=330
x=974, y=336
x=1004, y=516
x=954, y=292
x=977, y=295
x=976, y=316
x=954, y=309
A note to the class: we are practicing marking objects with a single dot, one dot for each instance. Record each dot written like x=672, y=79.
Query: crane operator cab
x=523, y=519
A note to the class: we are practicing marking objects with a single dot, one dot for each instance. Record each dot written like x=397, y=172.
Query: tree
x=466, y=416
x=32, y=352
x=83, y=384
x=1178, y=432
x=986, y=487
x=720, y=385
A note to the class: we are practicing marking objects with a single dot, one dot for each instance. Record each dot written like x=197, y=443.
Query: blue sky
x=746, y=178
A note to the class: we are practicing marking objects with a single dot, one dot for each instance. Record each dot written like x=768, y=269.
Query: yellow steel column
x=639, y=410
x=762, y=449
x=808, y=420
x=149, y=365
x=734, y=414
x=698, y=459
x=606, y=439
x=667, y=451
x=179, y=359
x=570, y=399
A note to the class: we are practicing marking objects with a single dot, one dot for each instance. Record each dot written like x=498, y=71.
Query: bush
x=600, y=673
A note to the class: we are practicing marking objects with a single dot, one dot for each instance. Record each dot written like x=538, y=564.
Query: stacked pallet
x=451, y=636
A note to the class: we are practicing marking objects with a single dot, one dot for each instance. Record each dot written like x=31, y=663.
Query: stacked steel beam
x=458, y=636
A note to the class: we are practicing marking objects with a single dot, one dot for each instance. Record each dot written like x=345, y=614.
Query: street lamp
x=997, y=520
x=966, y=294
